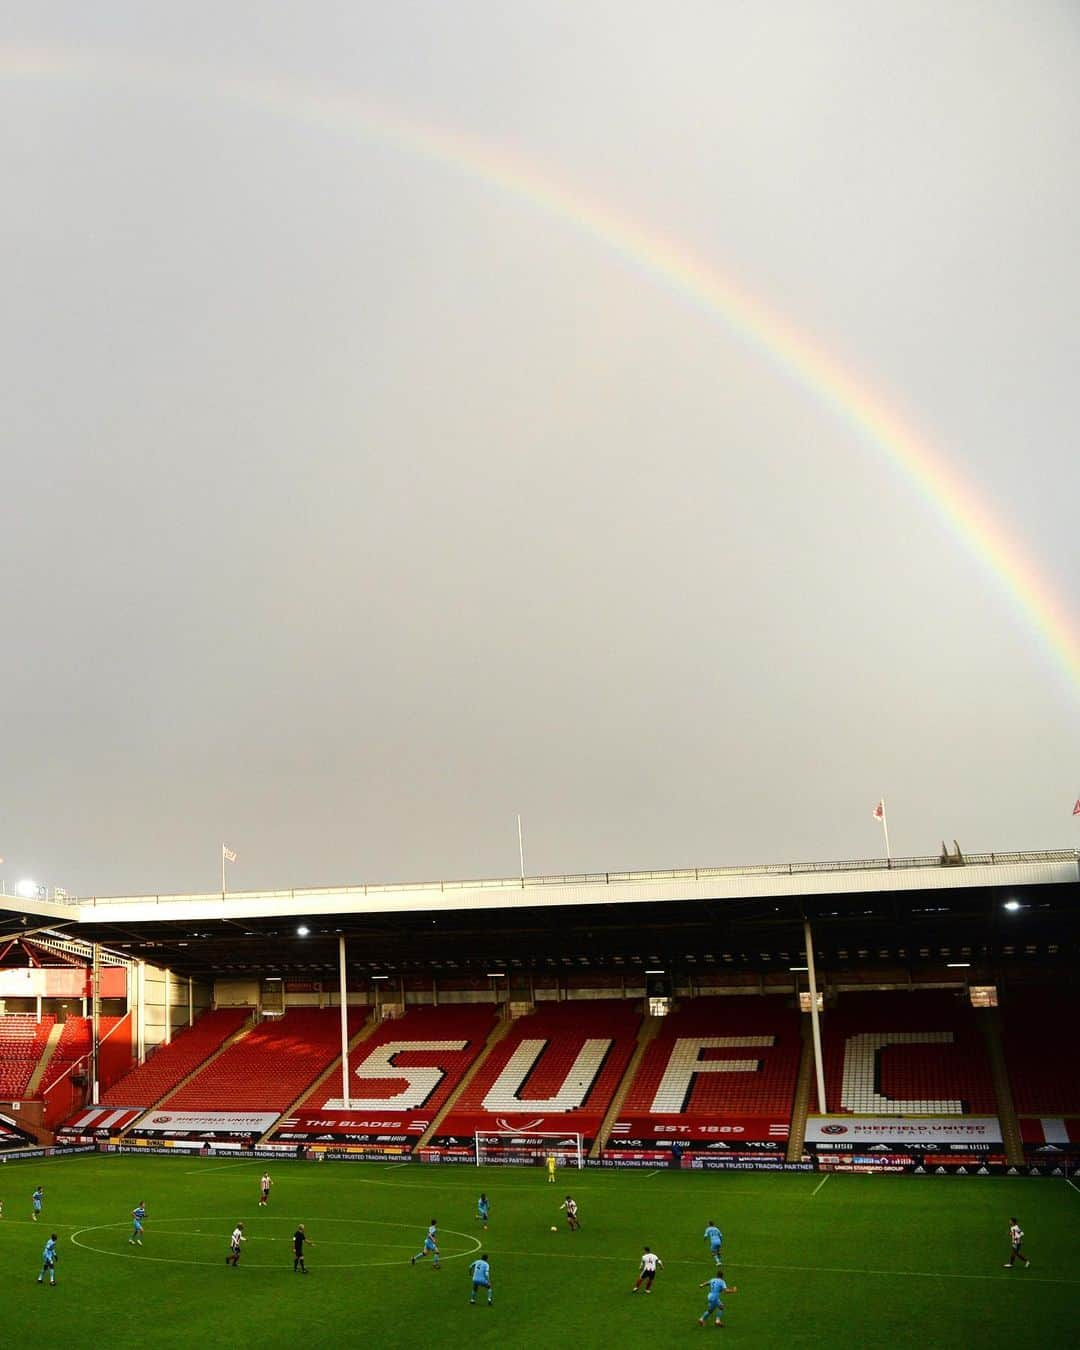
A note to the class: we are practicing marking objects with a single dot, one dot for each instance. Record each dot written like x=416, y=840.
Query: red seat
x=948, y=1075
x=146, y=1085
x=269, y=1068
x=471, y=1023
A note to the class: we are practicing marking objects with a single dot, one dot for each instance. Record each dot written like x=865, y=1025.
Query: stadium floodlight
x=303, y=930
x=27, y=888
x=1012, y=905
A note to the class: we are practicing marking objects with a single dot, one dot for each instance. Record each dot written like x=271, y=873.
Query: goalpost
x=515, y=1147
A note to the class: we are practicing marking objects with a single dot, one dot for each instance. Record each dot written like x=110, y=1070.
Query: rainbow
x=829, y=381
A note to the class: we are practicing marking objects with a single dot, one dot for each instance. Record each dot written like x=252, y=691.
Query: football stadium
x=849, y=1091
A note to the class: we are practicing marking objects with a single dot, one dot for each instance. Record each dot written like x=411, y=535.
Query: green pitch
x=848, y=1261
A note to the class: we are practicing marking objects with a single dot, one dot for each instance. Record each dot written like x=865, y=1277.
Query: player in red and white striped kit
x=650, y=1264
x=1016, y=1238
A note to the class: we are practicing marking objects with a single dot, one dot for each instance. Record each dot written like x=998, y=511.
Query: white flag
x=227, y=853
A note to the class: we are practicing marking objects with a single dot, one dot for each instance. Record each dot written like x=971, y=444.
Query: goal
x=515, y=1148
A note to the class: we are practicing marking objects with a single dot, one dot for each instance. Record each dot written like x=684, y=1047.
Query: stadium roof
x=913, y=910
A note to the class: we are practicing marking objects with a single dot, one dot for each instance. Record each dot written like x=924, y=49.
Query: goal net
x=511, y=1147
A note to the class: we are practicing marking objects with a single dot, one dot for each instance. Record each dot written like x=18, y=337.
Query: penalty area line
x=821, y=1183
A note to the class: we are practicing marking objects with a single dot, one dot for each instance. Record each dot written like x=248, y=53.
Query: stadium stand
x=22, y=1042
x=269, y=1068
x=1043, y=1069
x=563, y=1061
x=75, y=1042
x=470, y=1023
x=674, y=1078
x=164, y=1069
x=910, y=1053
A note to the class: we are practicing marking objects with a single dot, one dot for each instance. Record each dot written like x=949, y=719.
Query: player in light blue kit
x=137, y=1216
x=48, y=1261
x=37, y=1198
x=481, y=1277
x=483, y=1209
x=430, y=1248
x=716, y=1286
x=715, y=1239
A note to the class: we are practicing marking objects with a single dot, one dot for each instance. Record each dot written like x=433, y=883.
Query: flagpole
x=521, y=849
x=885, y=827
x=223, y=869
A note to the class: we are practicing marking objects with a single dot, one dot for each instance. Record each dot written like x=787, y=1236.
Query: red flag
x=879, y=810
x=1076, y=808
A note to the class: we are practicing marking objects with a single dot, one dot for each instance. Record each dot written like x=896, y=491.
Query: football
x=554, y=1229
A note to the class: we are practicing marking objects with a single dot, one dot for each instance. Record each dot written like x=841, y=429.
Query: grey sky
x=353, y=504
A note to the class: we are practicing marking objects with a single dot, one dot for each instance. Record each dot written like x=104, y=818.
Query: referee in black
x=298, y=1240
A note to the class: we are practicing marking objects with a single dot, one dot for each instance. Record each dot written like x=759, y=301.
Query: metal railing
x=649, y=877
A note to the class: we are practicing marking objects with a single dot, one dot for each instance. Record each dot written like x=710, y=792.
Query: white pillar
x=814, y=1023
x=344, y=1023
x=95, y=1020
x=140, y=1011
x=168, y=1005
x=37, y=1003
x=190, y=1001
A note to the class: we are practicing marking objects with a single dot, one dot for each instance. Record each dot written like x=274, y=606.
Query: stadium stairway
x=245, y=1030
x=498, y=1031
x=647, y=1032
x=804, y=1086
x=362, y=1035
x=56, y=1031
x=995, y=1053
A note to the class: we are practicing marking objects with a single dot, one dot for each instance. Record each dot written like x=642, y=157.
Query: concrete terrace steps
x=804, y=1086
x=238, y=1035
x=995, y=1053
x=647, y=1033
x=55, y=1032
x=498, y=1032
x=366, y=1031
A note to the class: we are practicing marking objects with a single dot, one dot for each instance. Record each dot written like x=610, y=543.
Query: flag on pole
x=880, y=816
x=1076, y=808
x=227, y=853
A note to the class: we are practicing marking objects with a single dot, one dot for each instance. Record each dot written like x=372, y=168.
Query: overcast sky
x=353, y=503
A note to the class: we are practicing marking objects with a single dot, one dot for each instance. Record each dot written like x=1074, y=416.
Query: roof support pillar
x=814, y=1021
x=344, y=1023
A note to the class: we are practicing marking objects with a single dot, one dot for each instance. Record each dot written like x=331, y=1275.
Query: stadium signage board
x=58, y=1151
x=725, y=1163
x=926, y=1130
x=1050, y=1130
x=180, y=1123
x=467, y=1123
x=101, y=1119
x=351, y=1125
x=736, y=1130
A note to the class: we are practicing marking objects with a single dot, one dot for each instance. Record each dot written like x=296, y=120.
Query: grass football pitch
x=826, y=1261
